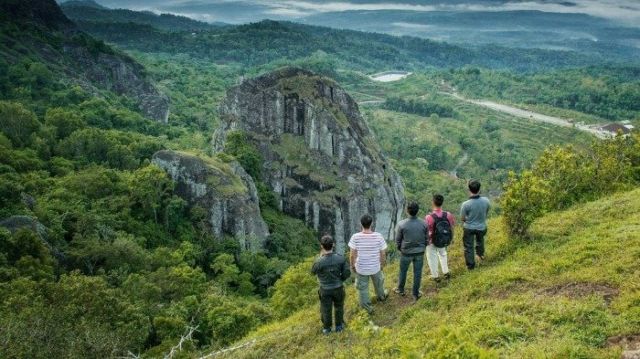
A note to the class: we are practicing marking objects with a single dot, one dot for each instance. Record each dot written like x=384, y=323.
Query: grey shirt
x=474, y=211
x=411, y=236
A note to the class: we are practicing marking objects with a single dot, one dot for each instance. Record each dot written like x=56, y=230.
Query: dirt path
x=517, y=112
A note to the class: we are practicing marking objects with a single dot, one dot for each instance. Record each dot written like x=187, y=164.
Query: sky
x=625, y=12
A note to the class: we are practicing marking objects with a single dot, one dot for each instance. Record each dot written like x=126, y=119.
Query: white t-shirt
x=368, y=246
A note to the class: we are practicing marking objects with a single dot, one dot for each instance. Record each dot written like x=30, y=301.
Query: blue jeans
x=418, y=262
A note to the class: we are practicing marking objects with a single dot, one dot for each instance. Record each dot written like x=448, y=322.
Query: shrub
x=295, y=290
x=562, y=177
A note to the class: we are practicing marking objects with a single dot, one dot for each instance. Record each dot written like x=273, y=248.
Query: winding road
x=518, y=112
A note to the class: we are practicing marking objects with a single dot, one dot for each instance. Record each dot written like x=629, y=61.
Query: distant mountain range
x=588, y=27
x=89, y=10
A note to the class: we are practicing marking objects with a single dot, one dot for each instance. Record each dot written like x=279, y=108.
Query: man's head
x=327, y=242
x=474, y=186
x=438, y=200
x=413, y=208
x=366, y=221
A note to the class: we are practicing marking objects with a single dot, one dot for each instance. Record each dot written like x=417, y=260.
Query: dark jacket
x=411, y=236
x=332, y=269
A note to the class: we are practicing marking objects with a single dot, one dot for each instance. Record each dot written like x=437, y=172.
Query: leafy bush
x=295, y=290
x=563, y=176
x=17, y=123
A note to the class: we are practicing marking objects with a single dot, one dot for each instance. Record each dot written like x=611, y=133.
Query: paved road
x=517, y=112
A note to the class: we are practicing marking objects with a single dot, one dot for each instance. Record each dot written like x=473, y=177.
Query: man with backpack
x=332, y=270
x=474, y=214
x=411, y=240
x=440, y=225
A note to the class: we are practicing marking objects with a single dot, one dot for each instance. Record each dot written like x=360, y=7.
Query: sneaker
x=326, y=331
x=437, y=279
x=386, y=295
x=399, y=292
x=415, y=298
x=447, y=276
x=339, y=328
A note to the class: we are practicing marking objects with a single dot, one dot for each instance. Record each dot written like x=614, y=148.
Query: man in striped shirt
x=368, y=255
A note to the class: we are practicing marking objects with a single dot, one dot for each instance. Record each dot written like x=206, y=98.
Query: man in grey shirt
x=411, y=239
x=474, y=213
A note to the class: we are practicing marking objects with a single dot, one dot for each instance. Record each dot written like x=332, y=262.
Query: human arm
x=463, y=212
x=383, y=252
x=399, y=236
x=345, y=273
x=353, y=257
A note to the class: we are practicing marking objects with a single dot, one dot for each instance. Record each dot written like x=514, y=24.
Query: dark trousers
x=330, y=299
x=418, y=262
x=470, y=238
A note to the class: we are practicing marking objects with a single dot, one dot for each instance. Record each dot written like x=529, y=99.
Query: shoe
x=339, y=328
x=386, y=295
x=326, y=331
x=437, y=280
x=399, y=292
x=447, y=276
x=415, y=298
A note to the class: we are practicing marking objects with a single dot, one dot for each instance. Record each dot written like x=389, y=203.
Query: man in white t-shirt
x=368, y=255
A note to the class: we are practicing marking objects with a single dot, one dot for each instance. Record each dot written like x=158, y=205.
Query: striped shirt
x=368, y=246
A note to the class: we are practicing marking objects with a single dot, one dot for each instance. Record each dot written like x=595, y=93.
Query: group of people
x=414, y=237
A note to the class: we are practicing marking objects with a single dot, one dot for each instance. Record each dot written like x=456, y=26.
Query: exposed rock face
x=85, y=61
x=124, y=76
x=224, y=190
x=321, y=159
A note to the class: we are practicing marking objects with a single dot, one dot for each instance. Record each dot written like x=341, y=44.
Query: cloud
x=627, y=11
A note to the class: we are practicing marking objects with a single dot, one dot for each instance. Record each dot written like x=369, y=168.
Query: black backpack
x=442, y=233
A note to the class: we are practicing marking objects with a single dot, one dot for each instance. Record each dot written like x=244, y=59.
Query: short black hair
x=438, y=200
x=327, y=242
x=413, y=208
x=474, y=186
x=366, y=221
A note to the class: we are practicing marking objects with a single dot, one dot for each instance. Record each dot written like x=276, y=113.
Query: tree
x=17, y=123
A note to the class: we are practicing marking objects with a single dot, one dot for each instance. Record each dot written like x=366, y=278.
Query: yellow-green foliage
x=223, y=179
x=563, y=176
x=297, y=155
x=559, y=296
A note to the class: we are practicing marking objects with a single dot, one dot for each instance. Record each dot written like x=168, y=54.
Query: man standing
x=474, y=215
x=368, y=256
x=332, y=270
x=440, y=225
x=411, y=240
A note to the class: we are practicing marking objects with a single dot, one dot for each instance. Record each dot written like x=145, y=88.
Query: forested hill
x=267, y=41
x=92, y=11
x=36, y=38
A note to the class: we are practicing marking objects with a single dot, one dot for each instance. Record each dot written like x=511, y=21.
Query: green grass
x=560, y=295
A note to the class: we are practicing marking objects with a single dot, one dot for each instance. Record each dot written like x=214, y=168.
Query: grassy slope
x=561, y=295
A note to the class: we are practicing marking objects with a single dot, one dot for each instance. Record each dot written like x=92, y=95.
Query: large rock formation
x=320, y=158
x=223, y=189
x=48, y=33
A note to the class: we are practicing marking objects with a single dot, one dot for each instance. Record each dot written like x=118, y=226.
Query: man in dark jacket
x=411, y=240
x=332, y=270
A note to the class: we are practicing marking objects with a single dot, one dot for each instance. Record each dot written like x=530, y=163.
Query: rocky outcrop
x=223, y=189
x=47, y=32
x=320, y=158
x=122, y=75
